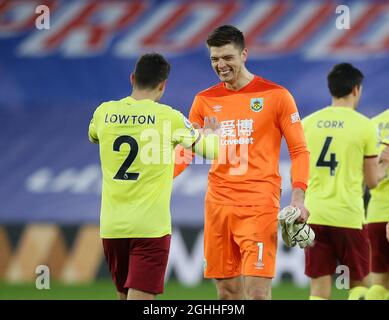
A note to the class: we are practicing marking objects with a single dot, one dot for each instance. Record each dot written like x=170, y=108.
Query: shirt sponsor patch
x=295, y=117
x=217, y=108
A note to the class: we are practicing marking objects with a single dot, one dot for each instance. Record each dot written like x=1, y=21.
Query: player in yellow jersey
x=344, y=154
x=137, y=137
x=378, y=217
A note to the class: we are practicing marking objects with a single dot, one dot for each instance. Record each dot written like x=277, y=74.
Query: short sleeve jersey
x=378, y=209
x=137, y=140
x=339, y=139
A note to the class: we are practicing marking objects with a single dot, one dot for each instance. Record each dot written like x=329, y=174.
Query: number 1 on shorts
x=260, y=254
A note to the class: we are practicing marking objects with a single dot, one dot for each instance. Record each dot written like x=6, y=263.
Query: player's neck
x=343, y=102
x=243, y=80
x=145, y=94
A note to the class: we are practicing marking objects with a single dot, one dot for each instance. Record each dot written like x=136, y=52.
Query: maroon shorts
x=379, y=247
x=335, y=245
x=137, y=263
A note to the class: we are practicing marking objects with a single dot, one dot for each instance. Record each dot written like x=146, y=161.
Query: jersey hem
x=337, y=225
x=246, y=204
x=134, y=236
x=249, y=274
x=378, y=220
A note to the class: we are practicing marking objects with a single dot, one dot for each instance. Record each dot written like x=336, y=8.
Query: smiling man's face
x=227, y=61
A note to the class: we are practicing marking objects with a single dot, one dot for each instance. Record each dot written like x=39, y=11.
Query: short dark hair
x=226, y=34
x=343, y=78
x=150, y=70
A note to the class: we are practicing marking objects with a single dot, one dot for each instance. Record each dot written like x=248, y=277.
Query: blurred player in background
x=243, y=196
x=137, y=137
x=344, y=154
x=378, y=217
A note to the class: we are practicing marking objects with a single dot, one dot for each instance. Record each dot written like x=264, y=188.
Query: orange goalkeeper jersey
x=253, y=121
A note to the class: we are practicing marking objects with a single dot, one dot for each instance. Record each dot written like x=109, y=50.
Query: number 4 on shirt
x=321, y=162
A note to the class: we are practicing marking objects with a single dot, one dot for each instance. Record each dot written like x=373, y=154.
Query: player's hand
x=384, y=156
x=387, y=231
x=292, y=231
x=298, y=196
x=304, y=213
x=196, y=125
x=211, y=125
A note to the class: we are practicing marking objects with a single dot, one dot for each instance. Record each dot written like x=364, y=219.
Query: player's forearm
x=299, y=155
x=300, y=170
x=383, y=170
x=298, y=196
x=208, y=146
x=383, y=163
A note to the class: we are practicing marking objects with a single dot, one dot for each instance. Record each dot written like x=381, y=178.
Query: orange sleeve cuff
x=300, y=185
x=183, y=157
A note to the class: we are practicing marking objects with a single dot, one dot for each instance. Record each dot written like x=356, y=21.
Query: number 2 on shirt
x=122, y=174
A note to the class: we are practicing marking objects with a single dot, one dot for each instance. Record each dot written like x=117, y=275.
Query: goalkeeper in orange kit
x=244, y=185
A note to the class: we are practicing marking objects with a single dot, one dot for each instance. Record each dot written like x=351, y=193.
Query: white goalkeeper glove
x=292, y=231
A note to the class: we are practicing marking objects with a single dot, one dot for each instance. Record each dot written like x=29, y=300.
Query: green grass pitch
x=105, y=290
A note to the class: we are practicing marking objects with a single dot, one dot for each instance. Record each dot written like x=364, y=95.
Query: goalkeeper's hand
x=211, y=125
x=292, y=231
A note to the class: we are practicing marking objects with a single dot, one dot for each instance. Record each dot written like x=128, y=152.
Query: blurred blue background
x=52, y=80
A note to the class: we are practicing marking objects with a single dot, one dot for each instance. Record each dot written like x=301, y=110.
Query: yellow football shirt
x=137, y=140
x=378, y=209
x=338, y=139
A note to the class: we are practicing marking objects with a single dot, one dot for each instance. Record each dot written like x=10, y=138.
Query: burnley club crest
x=256, y=104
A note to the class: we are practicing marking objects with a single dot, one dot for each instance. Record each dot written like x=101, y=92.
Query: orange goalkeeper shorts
x=239, y=240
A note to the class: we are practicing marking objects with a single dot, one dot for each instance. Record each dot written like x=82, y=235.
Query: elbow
x=371, y=183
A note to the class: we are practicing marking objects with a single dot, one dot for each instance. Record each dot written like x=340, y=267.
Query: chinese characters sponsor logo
x=236, y=131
